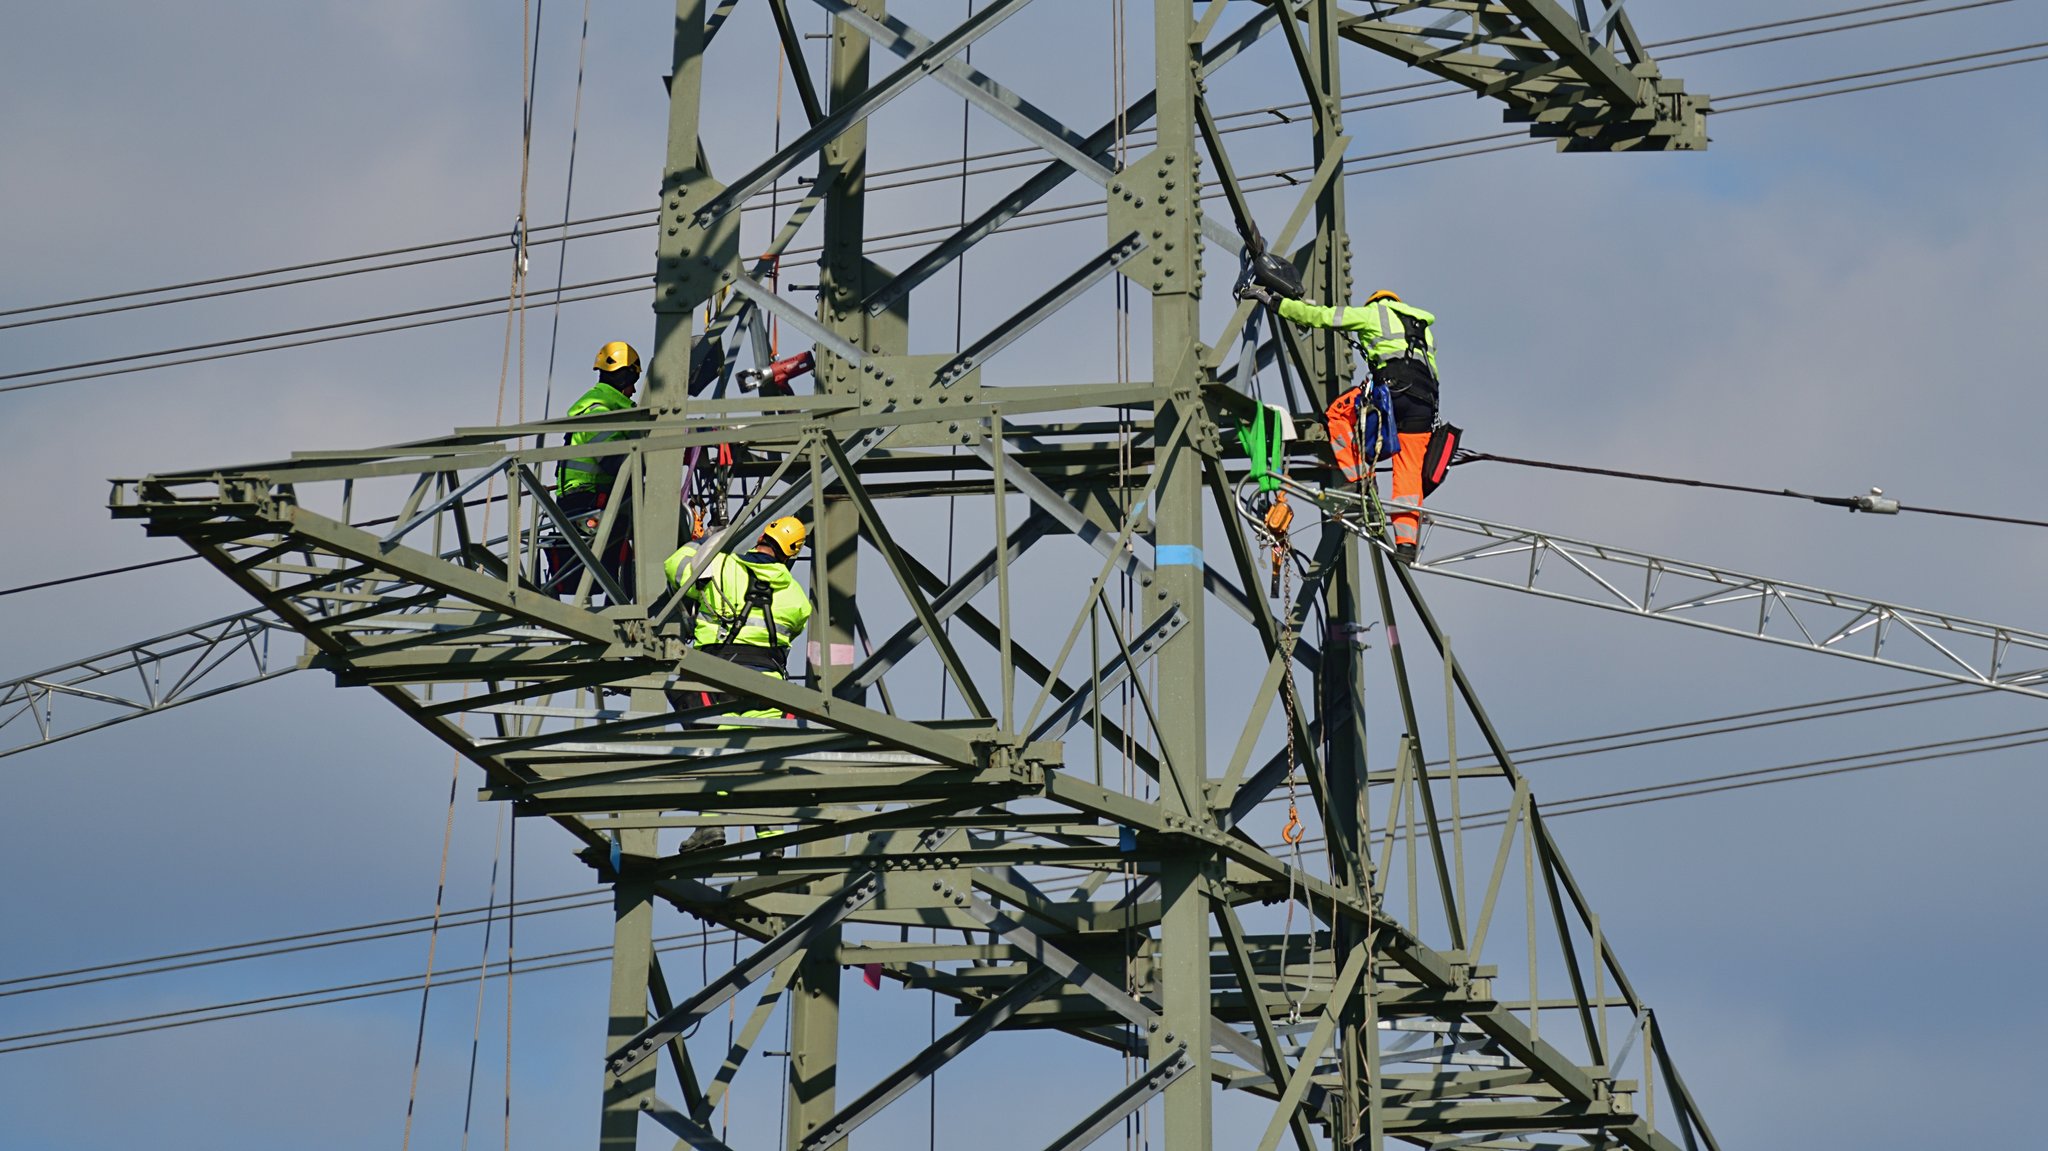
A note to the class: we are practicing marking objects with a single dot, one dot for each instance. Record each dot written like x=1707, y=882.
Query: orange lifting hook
x=1292, y=833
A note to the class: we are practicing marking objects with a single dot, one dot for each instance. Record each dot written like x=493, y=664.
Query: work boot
x=705, y=837
x=1404, y=553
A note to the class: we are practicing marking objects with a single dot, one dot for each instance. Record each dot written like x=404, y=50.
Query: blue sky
x=1838, y=294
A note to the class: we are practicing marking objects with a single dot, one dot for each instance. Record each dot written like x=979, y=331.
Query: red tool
x=773, y=380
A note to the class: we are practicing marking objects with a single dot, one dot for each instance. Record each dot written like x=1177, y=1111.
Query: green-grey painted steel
x=1133, y=893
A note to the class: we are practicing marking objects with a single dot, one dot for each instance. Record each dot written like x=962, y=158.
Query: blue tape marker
x=1177, y=555
x=1127, y=840
x=615, y=853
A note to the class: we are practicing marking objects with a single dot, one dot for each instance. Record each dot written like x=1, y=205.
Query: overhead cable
x=1573, y=805
x=1268, y=116
x=288, y=944
x=1853, y=503
x=64, y=581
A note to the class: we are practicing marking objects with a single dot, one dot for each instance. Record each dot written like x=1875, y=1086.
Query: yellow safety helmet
x=786, y=535
x=615, y=355
x=1382, y=294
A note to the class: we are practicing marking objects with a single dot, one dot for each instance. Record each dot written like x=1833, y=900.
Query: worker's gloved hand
x=1253, y=290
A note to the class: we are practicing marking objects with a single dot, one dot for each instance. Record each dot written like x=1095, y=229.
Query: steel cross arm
x=1274, y=1061
x=1144, y=646
x=200, y=661
x=1035, y=947
x=906, y=581
x=854, y=896
x=921, y=1066
x=1303, y=1075
x=948, y=601
x=574, y=538
x=1112, y=1112
x=901, y=734
x=796, y=317
x=1032, y=314
x=1624, y=106
x=1620, y=579
x=919, y=65
x=682, y=1126
x=1579, y=48
x=1054, y=174
x=1002, y=105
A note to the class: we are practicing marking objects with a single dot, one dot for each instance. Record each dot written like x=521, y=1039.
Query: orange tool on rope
x=1292, y=833
x=1279, y=517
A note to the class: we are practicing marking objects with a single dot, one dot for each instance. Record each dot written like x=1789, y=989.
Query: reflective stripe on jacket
x=1380, y=325
x=723, y=614
x=589, y=472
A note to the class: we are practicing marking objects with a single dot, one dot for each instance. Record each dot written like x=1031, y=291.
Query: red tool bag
x=1436, y=459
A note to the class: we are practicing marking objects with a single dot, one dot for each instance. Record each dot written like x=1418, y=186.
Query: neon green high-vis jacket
x=576, y=475
x=1381, y=326
x=723, y=614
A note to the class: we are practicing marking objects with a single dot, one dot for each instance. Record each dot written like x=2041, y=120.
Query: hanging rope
x=483, y=969
x=568, y=198
x=511, y=928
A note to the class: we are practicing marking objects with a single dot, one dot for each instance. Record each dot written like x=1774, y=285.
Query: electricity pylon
x=1121, y=913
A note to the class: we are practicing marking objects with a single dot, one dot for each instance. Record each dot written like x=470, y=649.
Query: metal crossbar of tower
x=1135, y=915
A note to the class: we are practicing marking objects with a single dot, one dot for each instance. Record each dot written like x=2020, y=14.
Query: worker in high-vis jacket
x=1400, y=352
x=749, y=609
x=585, y=485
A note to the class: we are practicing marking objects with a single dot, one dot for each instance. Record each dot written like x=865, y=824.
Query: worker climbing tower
x=1164, y=916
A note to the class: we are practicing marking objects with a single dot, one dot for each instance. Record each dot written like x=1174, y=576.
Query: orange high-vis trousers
x=1408, y=484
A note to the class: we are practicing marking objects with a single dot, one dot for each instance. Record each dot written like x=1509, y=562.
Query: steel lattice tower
x=1084, y=907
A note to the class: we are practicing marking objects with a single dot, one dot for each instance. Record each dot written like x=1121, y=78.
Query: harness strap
x=758, y=595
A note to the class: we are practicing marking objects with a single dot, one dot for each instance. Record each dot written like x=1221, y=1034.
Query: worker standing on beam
x=584, y=486
x=748, y=609
x=1400, y=353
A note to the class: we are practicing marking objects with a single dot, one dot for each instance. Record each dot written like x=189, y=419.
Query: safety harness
x=759, y=596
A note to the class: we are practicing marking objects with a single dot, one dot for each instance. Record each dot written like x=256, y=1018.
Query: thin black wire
x=270, y=1004
x=1746, y=489
x=123, y=570
x=1270, y=116
x=1661, y=733
x=313, y=941
x=1279, y=178
x=1285, y=177
x=1574, y=805
x=1828, y=31
x=126, y=568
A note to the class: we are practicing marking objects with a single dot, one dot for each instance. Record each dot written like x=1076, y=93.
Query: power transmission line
x=1574, y=805
x=1279, y=178
x=284, y=945
x=1274, y=115
x=1746, y=489
x=64, y=581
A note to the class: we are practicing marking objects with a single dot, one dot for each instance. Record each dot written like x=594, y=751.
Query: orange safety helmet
x=1382, y=294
